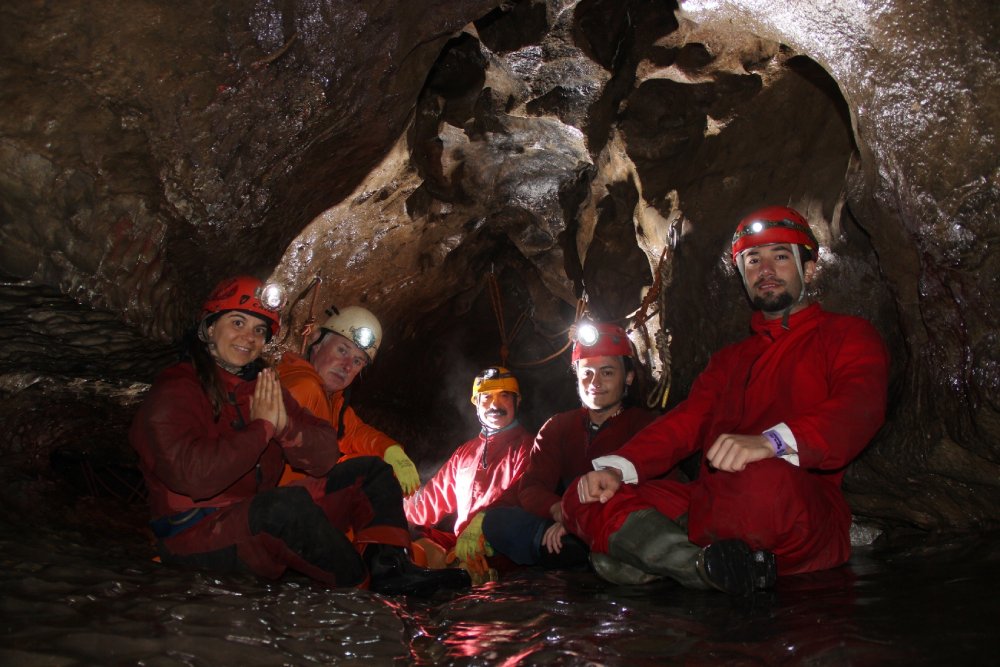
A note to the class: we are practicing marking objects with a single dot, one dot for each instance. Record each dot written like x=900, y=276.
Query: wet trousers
x=302, y=527
x=772, y=505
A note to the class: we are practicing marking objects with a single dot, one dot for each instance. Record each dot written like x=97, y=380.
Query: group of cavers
x=263, y=469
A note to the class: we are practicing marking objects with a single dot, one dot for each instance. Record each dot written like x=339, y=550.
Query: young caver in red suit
x=533, y=533
x=777, y=417
x=483, y=472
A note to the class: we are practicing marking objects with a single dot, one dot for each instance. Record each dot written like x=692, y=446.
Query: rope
x=497, y=304
x=660, y=393
x=571, y=331
x=309, y=326
x=496, y=301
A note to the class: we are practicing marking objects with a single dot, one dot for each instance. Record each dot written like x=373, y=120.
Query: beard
x=773, y=303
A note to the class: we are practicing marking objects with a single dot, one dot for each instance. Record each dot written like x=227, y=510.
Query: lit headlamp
x=758, y=226
x=272, y=296
x=587, y=334
x=494, y=373
x=363, y=337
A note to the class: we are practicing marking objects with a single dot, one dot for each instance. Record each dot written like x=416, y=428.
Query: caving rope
x=309, y=326
x=505, y=338
x=660, y=393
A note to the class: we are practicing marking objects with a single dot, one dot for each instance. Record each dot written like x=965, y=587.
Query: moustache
x=496, y=412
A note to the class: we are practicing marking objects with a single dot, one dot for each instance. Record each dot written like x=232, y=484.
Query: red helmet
x=772, y=224
x=241, y=293
x=601, y=339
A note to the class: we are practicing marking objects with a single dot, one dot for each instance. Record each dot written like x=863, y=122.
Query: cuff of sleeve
x=268, y=429
x=791, y=452
x=629, y=474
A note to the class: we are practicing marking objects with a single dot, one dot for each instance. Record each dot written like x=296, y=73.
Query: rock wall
x=406, y=153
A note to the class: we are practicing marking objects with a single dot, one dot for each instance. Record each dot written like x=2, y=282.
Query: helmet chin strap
x=802, y=287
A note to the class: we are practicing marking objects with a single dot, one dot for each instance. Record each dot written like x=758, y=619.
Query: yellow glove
x=471, y=544
x=406, y=472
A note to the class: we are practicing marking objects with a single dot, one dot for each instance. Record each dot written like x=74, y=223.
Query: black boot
x=393, y=573
x=574, y=555
x=730, y=566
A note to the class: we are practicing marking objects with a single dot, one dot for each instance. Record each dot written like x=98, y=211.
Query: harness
x=168, y=526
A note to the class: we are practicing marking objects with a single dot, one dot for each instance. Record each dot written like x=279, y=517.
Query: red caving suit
x=481, y=473
x=825, y=379
x=190, y=459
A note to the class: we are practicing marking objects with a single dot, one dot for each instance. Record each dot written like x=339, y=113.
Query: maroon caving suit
x=564, y=448
x=192, y=461
x=826, y=379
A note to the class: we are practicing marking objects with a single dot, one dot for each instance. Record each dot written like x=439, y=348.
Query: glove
x=472, y=545
x=406, y=472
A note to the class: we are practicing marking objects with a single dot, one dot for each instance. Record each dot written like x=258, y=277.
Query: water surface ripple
x=67, y=600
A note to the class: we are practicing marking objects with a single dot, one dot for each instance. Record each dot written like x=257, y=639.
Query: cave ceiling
x=415, y=156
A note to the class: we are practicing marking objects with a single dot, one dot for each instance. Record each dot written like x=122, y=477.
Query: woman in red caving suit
x=213, y=436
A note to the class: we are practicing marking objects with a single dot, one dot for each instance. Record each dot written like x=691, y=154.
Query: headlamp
x=363, y=337
x=490, y=373
x=587, y=334
x=758, y=226
x=272, y=296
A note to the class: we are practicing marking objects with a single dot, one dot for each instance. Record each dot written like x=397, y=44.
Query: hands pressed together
x=267, y=402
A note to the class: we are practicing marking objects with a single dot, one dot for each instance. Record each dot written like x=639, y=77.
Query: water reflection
x=71, y=600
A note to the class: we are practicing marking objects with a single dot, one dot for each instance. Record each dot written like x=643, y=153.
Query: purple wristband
x=780, y=448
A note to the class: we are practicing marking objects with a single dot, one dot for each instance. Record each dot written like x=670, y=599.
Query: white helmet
x=356, y=324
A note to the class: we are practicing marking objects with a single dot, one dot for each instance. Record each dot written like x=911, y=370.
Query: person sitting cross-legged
x=777, y=416
x=482, y=473
x=533, y=533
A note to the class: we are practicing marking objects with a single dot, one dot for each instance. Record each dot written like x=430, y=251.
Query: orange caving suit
x=302, y=381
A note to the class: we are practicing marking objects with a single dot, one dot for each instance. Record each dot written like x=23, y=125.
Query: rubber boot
x=732, y=567
x=574, y=555
x=611, y=569
x=654, y=544
x=393, y=573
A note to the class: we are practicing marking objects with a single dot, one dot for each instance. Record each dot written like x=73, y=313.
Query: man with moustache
x=534, y=532
x=482, y=473
x=777, y=416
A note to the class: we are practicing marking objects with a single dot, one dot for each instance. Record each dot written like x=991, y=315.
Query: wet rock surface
x=69, y=598
x=563, y=147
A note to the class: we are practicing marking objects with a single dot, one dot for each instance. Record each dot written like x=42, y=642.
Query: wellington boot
x=656, y=545
x=393, y=573
x=615, y=571
x=732, y=567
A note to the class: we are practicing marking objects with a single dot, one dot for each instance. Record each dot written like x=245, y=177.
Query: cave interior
x=470, y=173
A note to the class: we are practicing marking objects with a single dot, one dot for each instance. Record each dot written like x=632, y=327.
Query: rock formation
x=406, y=152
